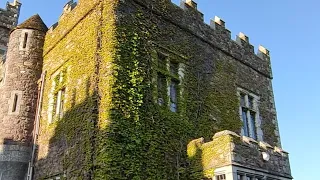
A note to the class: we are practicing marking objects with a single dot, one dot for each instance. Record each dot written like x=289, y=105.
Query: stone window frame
x=166, y=71
x=57, y=92
x=15, y=101
x=253, y=107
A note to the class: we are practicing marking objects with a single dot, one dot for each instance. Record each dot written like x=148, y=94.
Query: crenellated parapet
x=9, y=16
x=229, y=149
x=188, y=16
x=68, y=7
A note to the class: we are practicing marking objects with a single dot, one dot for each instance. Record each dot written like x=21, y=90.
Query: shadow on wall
x=152, y=146
x=14, y=158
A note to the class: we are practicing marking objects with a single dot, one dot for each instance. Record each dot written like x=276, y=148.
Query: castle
x=134, y=89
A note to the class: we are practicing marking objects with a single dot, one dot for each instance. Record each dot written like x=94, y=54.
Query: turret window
x=25, y=40
x=14, y=103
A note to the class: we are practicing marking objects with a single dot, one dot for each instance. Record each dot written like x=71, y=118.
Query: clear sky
x=290, y=29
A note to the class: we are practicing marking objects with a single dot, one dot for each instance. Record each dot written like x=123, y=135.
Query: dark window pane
x=245, y=122
x=162, y=89
x=62, y=98
x=221, y=177
x=253, y=125
x=242, y=100
x=174, y=68
x=173, y=95
x=162, y=61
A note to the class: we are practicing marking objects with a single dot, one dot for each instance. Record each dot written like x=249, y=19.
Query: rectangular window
x=173, y=95
x=162, y=88
x=15, y=103
x=167, y=82
x=221, y=177
x=248, y=114
x=245, y=122
x=59, y=104
x=25, y=40
x=252, y=124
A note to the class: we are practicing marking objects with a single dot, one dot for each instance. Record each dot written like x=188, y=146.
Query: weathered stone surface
x=230, y=149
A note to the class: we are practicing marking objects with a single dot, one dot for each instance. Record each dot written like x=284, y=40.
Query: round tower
x=18, y=97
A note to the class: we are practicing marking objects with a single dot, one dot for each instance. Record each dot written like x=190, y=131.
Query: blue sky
x=290, y=30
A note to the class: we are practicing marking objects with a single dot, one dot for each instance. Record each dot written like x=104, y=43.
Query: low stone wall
x=14, y=161
x=228, y=148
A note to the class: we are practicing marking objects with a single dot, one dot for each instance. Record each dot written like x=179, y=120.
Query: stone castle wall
x=209, y=55
x=182, y=31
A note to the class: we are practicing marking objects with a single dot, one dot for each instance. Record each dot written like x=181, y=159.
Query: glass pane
x=174, y=68
x=173, y=91
x=245, y=122
x=173, y=95
x=253, y=125
x=62, y=103
x=162, y=89
x=242, y=100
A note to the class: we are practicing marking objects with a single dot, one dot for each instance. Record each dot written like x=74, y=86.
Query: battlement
x=9, y=16
x=262, y=146
x=242, y=151
x=190, y=18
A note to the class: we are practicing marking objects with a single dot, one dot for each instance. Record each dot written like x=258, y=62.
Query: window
x=15, y=103
x=221, y=177
x=162, y=89
x=25, y=40
x=59, y=104
x=167, y=82
x=59, y=96
x=248, y=114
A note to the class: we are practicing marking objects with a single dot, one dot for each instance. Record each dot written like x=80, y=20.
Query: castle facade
x=135, y=89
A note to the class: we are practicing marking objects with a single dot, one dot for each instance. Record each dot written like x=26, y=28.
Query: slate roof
x=34, y=22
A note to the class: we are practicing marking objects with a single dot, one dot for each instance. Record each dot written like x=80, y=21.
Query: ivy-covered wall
x=66, y=146
x=112, y=125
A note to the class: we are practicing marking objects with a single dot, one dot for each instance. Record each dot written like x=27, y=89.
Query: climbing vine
x=112, y=127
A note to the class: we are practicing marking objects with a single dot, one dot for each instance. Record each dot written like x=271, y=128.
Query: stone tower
x=8, y=20
x=18, y=97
